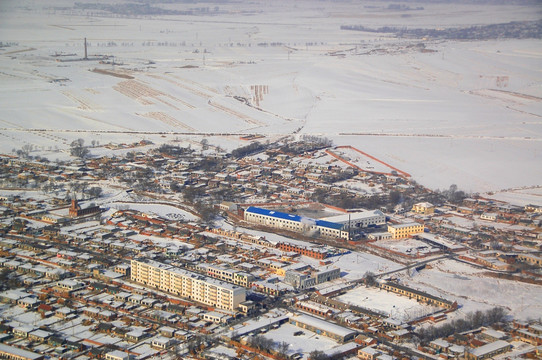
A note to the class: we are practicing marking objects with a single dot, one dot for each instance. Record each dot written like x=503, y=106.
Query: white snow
x=393, y=305
x=473, y=291
x=165, y=211
x=520, y=197
x=305, y=343
x=466, y=113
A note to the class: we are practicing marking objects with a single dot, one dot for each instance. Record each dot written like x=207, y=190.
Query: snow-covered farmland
x=458, y=112
x=520, y=197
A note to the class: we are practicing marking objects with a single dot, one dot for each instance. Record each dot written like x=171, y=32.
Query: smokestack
x=85, y=48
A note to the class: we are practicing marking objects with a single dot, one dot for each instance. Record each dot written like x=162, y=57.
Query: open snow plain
x=463, y=112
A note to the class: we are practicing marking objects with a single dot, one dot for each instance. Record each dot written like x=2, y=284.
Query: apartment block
x=227, y=274
x=402, y=231
x=187, y=284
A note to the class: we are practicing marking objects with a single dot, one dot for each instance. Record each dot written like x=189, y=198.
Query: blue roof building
x=295, y=223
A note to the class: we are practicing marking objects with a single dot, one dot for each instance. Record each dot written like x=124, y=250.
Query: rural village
x=277, y=250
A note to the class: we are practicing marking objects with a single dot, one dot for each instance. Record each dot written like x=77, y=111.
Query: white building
x=296, y=223
x=360, y=219
x=117, y=355
x=489, y=216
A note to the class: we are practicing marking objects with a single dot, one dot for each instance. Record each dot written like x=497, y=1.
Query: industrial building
x=360, y=219
x=187, y=284
x=322, y=327
x=295, y=223
x=418, y=295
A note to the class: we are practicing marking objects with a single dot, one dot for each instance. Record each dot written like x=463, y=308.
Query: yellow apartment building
x=187, y=284
x=424, y=208
x=402, y=231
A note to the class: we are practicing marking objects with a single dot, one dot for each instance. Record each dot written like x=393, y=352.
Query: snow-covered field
x=165, y=211
x=411, y=247
x=305, y=343
x=471, y=224
x=465, y=284
x=360, y=160
x=355, y=264
x=520, y=197
x=463, y=112
x=393, y=305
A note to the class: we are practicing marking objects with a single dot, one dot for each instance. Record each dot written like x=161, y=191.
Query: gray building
x=306, y=280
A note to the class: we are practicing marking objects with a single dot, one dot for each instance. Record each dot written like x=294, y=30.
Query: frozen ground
x=462, y=112
x=473, y=291
x=361, y=160
x=520, y=197
x=471, y=224
x=393, y=305
x=411, y=247
x=305, y=343
x=355, y=264
x=165, y=211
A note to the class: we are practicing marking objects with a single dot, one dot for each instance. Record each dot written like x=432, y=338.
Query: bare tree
x=94, y=191
x=83, y=187
x=78, y=149
x=318, y=355
x=369, y=278
x=282, y=349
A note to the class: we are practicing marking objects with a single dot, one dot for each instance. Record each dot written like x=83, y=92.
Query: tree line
x=511, y=30
x=249, y=149
x=471, y=321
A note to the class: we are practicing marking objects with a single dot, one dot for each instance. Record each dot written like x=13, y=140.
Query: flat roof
x=489, y=348
x=256, y=325
x=323, y=325
x=273, y=213
x=415, y=291
x=291, y=217
x=355, y=216
x=6, y=349
x=118, y=354
x=194, y=276
x=399, y=226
